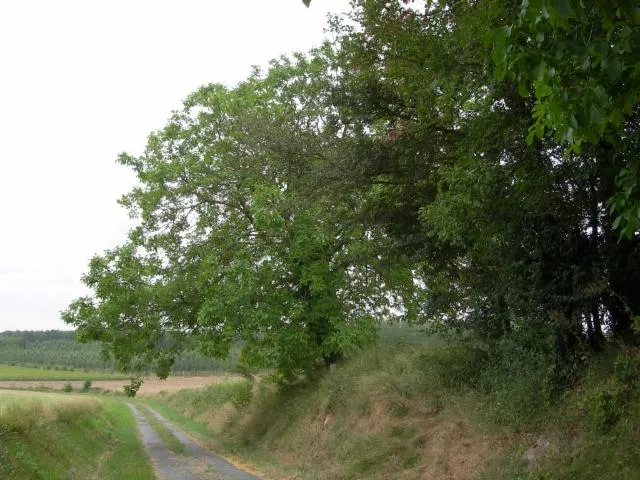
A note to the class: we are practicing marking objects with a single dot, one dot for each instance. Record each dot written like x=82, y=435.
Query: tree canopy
x=469, y=166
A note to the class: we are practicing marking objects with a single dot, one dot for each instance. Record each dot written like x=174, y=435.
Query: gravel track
x=195, y=464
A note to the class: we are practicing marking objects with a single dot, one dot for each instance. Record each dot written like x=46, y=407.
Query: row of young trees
x=58, y=349
x=470, y=166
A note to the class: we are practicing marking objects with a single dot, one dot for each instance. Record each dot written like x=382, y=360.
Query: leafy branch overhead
x=580, y=60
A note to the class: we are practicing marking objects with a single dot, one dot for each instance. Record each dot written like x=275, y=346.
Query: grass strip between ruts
x=167, y=436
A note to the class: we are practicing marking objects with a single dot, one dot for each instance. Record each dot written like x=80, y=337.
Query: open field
x=151, y=385
x=13, y=372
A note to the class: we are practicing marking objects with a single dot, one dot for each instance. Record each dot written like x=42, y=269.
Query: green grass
x=12, y=372
x=181, y=420
x=69, y=437
x=367, y=419
x=128, y=459
x=167, y=436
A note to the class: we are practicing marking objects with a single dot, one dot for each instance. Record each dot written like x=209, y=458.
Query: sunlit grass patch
x=15, y=372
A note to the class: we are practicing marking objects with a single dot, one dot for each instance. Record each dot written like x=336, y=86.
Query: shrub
x=246, y=371
x=242, y=393
x=134, y=385
x=608, y=403
x=67, y=388
x=605, y=409
x=87, y=386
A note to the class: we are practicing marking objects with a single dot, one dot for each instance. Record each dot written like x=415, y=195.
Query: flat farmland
x=151, y=385
x=12, y=372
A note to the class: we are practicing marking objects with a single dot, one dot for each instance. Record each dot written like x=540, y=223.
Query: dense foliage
x=393, y=172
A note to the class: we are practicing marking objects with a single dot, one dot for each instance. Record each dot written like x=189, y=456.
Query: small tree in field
x=134, y=385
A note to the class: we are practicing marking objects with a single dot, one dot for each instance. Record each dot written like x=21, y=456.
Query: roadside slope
x=423, y=410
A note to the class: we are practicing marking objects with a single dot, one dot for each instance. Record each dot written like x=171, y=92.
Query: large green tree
x=229, y=245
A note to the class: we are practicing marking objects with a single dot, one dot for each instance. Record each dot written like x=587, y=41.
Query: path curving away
x=195, y=464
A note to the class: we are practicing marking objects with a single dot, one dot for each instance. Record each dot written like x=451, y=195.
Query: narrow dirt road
x=195, y=464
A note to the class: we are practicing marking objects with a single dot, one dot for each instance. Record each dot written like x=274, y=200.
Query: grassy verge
x=13, y=372
x=417, y=410
x=74, y=438
x=169, y=439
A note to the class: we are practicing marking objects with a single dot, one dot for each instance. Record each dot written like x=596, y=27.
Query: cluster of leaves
x=392, y=170
x=581, y=61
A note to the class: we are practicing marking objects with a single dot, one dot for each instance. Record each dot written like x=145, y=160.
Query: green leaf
x=563, y=8
x=614, y=69
x=542, y=88
x=523, y=87
x=616, y=222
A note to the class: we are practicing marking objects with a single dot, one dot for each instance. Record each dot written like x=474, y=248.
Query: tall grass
x=69, y=439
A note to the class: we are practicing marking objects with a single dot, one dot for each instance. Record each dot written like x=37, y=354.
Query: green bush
x=627, y=368
x=242, y=393
x=607, y=404
x=67, y=388
x=457, y=367
x=605, y=409
x=246, y=371
x=134, y=385
x=518, y=376
x=87, y=386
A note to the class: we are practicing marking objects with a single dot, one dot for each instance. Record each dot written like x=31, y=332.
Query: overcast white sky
x=81, y=81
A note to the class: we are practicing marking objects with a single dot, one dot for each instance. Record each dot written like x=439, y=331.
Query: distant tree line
x=59, y=349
